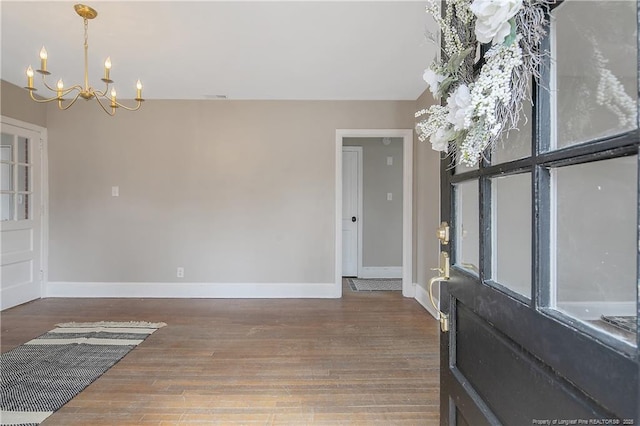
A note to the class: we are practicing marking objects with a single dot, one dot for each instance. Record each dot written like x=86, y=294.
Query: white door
x=350, y=206
x=20, y=215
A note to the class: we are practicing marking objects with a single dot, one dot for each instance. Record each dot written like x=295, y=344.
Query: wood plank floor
x=368, y=358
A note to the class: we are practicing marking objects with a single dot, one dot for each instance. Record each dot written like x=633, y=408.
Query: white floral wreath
x=480, y=109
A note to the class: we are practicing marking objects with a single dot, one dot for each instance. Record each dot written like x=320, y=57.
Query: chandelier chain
x=86, y=54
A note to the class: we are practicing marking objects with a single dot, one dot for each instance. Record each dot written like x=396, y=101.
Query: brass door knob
x=443, y=275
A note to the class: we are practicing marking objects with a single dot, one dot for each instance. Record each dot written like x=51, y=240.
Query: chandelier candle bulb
x=107, y=68
x=30, y=78
x=60, y=88
x=138, y=90
x=43, y=60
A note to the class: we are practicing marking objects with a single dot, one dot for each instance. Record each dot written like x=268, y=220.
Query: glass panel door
x=541, y=303
x=20, y=218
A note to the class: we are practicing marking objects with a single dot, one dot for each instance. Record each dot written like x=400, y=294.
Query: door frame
x=360, y=204
x=44, y=195
x=408, y=289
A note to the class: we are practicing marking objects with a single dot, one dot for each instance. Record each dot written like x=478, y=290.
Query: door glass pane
x=6, y=177
x=596, y=65
x=462, y=168
x=6, y=202
x=23, y=206
x=511, y=211
x=23, y=178
x=517, y=143
x=6, y=147
x=23, y=150
x=596, y=243
x=467, y=225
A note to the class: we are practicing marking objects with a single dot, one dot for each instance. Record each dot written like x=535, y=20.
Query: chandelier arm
x=118, y=104
x=102, y=94
x=73, y=101
x=71, y=89
x=41, y=101
x=64, y=91
x=44, y=81
x=130, y=108
x=76, y=87
x=112, y=113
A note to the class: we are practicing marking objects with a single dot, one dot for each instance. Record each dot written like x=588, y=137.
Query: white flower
x=457, y=104
x=433, y=79
x=493, y=16
x=440, y=139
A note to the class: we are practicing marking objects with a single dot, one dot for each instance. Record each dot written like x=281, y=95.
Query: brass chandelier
x=86, y=92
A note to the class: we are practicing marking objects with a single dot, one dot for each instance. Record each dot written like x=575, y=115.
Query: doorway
x=352, y=210
x=406, y=270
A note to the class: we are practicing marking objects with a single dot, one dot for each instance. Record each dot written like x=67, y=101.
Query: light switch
x=389, y=161
x=115, y=191
x=389, y=196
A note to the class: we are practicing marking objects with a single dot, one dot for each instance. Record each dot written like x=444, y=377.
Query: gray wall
x=382, y=219
x=15, y=103
x=233, y=191
x=173, y=160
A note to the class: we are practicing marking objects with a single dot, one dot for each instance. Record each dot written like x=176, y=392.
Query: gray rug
x=42, y=375
x=375, y=284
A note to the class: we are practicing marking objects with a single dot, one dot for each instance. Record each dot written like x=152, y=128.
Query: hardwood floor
x=368, y=358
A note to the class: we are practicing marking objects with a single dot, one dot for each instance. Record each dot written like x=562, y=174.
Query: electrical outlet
x=389, y=196
x=115, y=191
x=180, y=272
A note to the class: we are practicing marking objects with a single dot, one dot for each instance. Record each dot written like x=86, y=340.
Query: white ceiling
x=346, y=50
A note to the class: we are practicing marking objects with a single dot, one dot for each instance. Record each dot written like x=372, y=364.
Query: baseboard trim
x=593, y=310
x=17, y=295
x=191, y=290
x=422, y=296
x=381, y=272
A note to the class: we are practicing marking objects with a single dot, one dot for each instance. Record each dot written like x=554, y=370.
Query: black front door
x=542, y=300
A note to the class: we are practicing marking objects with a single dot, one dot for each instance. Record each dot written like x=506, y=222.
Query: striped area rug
x=45, y=373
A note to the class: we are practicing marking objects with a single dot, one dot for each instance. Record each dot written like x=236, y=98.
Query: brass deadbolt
x=443, y=233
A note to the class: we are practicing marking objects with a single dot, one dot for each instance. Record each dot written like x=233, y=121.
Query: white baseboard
x=408, y=290
x=17, y=295
x=191, y=290
x=381, y=272
x=593, y=310
x=422, y=296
